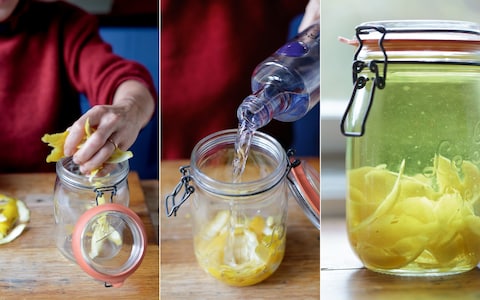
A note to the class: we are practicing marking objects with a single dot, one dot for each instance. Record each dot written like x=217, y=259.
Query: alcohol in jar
x=413, y=177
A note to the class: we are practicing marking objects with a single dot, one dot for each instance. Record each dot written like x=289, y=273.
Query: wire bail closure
x=171, y=207
x=349, y=125
x=100, y=191
x=189, y=189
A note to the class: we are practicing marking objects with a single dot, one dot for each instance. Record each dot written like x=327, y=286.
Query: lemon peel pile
x=14, y=216
x=57, y=142
x=416, y=222
x=248, y=254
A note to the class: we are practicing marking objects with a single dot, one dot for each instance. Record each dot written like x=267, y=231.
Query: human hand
x=116, y=125
x=312, y=15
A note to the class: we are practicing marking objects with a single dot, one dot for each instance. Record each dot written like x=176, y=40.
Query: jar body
x=239, y=228
x=75, y=193
x=413, y=177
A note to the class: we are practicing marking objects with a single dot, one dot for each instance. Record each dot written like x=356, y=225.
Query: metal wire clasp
x=355, y=117
x=292, y=162
x=170, y=205
x=100, y=191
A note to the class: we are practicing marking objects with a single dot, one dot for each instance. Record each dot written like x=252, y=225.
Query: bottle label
x=293, y=49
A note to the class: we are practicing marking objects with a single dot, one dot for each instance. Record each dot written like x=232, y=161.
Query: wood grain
x=298, y=277
x=31, y=267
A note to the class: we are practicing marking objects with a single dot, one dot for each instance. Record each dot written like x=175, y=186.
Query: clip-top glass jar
x=413, y=147
x=239, y=228
x=93, y=225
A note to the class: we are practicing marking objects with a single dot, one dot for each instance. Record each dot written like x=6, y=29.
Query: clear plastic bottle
x=286, y=85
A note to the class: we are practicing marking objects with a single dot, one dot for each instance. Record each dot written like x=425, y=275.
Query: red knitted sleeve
x=92, y=67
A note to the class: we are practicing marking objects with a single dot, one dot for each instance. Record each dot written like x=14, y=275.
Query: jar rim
x=427, y=26
x=419, y=35
x=69, y=172
x=261, y=142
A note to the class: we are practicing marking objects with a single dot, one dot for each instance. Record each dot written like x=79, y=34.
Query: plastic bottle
x=286, y=85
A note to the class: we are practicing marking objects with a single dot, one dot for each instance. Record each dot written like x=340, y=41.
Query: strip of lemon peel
x=388, y=203
x=57, y=141
x=102, y=230
x=14, y=216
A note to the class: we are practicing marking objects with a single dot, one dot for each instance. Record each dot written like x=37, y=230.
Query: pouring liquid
x=285, y=87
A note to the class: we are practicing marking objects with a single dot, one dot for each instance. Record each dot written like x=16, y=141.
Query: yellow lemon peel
x=57, y=142
x=414, y=222
x=14, y=216
x=240, y=252
x=102, y=232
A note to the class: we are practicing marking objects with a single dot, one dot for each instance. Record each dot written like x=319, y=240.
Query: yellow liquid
x=416, y=225
x=245, y=255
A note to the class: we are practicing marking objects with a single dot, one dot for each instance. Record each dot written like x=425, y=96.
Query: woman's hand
x=116, y=125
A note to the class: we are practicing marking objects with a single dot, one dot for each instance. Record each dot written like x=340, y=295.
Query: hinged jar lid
x=109, y=242
x=419, y=35
x=305, y=185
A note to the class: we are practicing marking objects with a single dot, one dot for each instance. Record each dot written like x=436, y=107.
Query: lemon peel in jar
x=14, y=216
x=102, y=232
x=414, y=222
x=57, y=142
x=240, y=252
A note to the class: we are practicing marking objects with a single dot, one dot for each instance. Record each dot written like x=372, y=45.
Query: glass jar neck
x=212, y=163
x=69, y=173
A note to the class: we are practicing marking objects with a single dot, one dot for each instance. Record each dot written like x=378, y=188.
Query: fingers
x=76, y=134
x=113, y=128
x=97, y=148
x=97, y=159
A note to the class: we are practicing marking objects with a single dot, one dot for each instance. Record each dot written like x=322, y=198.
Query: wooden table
x=298, y=277
x=344, y=277
x=31, y=267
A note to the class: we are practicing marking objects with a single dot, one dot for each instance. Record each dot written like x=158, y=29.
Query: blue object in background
x=139, y=44
x=306, y=131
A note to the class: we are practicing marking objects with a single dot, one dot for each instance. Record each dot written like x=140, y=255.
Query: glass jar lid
x=419, y=35
x=305, y=185
x=109, y=243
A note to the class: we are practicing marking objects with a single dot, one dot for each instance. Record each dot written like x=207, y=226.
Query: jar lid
x=305, y=185
x=408, y=35
x=109, y=242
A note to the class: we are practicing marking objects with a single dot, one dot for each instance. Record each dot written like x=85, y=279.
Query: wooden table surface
x=298, y=277
x=343, y=276
x=31, y=267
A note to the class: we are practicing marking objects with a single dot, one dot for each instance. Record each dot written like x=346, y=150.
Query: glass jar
x=413, y=156
x=239, y=228
x=93, y=225
x=76, y=193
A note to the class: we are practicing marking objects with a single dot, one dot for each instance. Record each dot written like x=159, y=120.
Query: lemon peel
x=397, y=221
x=102, y=232
x=240, y=252
x=57, y=142
x=14, y=216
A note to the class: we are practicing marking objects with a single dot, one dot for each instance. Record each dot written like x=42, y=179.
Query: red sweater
x=209, y=49
x=50, y=52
